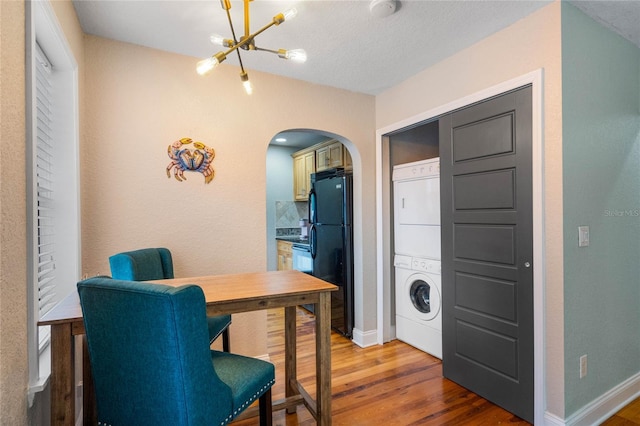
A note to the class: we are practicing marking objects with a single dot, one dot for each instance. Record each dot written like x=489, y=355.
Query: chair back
x=142, y=265
x=150, y=356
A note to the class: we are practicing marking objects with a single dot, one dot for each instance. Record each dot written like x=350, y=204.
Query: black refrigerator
x=331, y=241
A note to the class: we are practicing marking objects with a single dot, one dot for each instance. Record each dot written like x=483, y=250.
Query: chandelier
x=247, y=42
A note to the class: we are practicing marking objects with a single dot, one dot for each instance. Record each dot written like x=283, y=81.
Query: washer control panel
x=417, y=264
x=426, y=265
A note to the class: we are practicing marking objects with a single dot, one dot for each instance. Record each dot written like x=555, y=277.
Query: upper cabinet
x=329, y=156
x=325, y=155
x=332, y=154
x=304, y=164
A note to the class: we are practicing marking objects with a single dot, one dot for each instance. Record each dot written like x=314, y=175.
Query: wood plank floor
x=628, y=416
x=393, y=384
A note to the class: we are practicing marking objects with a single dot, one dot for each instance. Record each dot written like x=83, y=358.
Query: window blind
x=44, y=181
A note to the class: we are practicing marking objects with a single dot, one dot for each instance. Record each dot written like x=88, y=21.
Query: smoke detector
x=382, y=8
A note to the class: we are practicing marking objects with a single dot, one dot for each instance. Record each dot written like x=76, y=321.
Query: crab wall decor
x=190, y=160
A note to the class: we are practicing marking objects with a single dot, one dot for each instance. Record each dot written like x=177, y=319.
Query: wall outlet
x=583, y=366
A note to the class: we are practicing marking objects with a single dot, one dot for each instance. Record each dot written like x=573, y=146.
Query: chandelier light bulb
x=297, y=55
x=246, y=83
x=217, y=39
x=290, y=13
x=207, y=65
x=248, y=87
x=220, y=40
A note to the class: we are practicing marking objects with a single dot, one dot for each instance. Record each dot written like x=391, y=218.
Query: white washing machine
x=419, y=303
x=416, y=210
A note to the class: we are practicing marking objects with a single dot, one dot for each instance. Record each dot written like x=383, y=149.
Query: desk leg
x=290, y=350
x=89, y=409
x=323, y=359
x=62, y=369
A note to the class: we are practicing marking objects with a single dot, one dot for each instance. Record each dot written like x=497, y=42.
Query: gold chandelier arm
x=295, y=55
x=260, y=31
x=262, y=49
x=248, y=38
x=233, y=33
x=247, y=32
x=247, y=42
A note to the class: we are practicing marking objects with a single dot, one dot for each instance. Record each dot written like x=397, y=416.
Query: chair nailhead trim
x=236, y=412
x=247, y=403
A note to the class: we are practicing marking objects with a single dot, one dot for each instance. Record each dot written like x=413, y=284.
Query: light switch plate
x=583, y=236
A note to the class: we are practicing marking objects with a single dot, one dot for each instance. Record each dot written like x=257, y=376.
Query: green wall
x=601, y=189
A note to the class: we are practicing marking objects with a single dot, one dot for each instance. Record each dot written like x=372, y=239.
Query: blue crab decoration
x=187, y=160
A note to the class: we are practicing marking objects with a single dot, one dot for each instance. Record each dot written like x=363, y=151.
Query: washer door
x=424, y=296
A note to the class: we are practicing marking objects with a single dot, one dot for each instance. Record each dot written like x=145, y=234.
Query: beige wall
x=134, y=103
x=13, y=278
x=13, y=267
x=528, y=45
x=137, y=102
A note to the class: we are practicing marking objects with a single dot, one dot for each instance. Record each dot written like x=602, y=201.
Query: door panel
x=487, y=243
x=496, y=134
x=487, y=296
x=496, y=352
x=494, y=190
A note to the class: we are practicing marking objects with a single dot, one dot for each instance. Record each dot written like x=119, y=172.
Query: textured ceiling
x=622, y=17
x=347, y=47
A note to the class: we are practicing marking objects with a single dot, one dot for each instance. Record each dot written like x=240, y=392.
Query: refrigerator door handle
x=312, y=206
x=312, y=241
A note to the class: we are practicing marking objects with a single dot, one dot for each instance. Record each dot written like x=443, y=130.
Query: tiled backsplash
x=288, y=215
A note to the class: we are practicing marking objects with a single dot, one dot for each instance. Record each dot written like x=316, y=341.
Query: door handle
x=312, y=241
x=527, y=265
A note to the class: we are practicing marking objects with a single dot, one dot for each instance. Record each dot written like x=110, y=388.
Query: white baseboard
x=601, y=408
x=552, y=420
x=365, y=338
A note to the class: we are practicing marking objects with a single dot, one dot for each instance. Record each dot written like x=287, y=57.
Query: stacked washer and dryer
x=416, y=189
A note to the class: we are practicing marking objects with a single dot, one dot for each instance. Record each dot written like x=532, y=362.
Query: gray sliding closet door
x=487, y=250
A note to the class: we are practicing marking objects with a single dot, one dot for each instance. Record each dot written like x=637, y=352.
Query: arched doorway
x=292, y=156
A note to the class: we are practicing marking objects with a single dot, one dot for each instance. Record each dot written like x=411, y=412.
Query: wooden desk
x=225, y=294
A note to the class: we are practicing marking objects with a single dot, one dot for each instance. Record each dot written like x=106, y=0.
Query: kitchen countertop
x=294, y=239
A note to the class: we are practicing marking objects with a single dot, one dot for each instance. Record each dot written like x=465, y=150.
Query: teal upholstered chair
x=151, y=361
x=157, y=264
